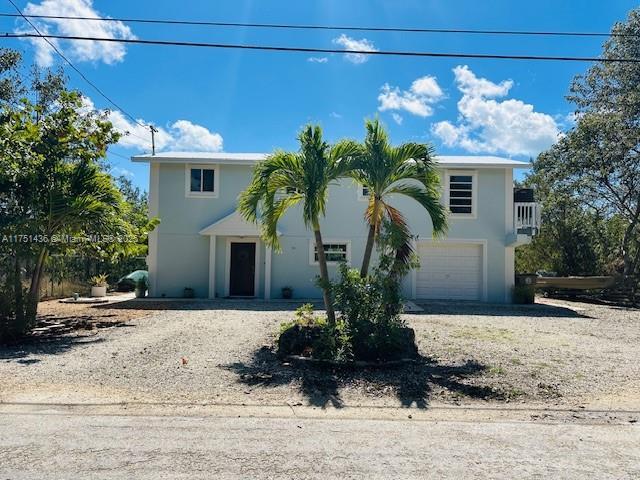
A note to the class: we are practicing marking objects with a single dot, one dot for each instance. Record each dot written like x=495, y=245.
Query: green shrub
x=310, y=334
x=368, y=324
x=370, y=308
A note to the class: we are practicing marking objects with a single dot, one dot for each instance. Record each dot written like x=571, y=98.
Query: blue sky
x=243, y=101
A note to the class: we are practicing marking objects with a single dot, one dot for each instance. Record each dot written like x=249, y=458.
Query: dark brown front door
x=243, y=269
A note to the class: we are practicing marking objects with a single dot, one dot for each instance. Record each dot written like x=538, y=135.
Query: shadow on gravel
x=430, y=308
x=196, y=304
x=413, y=384
x=45, y=345
x=57, y=334
x=496, y=310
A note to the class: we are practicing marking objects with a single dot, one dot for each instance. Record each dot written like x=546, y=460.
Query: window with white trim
x=461, y=193
x=363, y=192
x=201, y=181
x=334, y=252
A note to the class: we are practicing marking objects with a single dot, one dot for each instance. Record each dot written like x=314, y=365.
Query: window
x=363, y=192
x=334, y=252
x=201, y=181
x=461, y=196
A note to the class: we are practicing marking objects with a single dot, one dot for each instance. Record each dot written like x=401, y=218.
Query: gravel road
x=545, y=355
x=62, y=446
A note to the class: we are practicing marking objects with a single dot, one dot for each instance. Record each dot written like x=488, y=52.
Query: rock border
x=352, y=364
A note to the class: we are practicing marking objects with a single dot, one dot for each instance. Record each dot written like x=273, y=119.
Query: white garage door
x=449, y=271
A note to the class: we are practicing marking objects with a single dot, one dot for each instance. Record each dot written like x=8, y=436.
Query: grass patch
x=514, y=392
x=496, y=370
x=485, y=333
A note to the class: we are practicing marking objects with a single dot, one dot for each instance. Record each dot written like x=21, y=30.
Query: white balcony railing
x=526, y=217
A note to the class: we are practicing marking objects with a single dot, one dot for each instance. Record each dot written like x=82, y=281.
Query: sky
x=251, y=101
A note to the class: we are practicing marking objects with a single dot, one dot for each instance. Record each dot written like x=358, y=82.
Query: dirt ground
x=554, y=355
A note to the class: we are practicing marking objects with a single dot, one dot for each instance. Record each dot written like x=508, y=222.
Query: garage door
x=449, y=271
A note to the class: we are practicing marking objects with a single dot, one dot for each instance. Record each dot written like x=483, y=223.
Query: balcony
x=526, y=218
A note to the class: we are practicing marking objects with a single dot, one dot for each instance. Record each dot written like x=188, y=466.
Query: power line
x=331, y=27
x=400, y=53
x=128, y=133
x=118, y=155
x=82, y=75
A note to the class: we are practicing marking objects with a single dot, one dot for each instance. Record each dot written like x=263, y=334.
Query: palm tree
x=285, y=179
x=82, y=200
x=386, y=170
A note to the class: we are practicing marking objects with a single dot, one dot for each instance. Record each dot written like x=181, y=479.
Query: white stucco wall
x=180, y=255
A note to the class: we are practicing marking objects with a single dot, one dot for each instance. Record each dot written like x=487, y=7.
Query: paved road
x=50, y=444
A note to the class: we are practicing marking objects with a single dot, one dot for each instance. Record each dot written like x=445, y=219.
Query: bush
x=370, y=308
x=310, y=335
x=368, y=327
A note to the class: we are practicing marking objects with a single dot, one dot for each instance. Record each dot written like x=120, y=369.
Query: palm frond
x=430, y=201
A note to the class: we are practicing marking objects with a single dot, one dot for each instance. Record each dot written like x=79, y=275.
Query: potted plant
x=141, y=287
x=99, y=285
x=287, y=292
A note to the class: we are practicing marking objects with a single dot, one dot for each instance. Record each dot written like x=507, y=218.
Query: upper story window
x=334, y=252
x=461, y=193
x=363, y=192
x=201, y=181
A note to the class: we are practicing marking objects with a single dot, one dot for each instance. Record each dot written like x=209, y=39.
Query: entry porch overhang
x=233, y=225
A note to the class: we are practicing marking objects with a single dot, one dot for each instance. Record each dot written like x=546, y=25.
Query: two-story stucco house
x=202, y=243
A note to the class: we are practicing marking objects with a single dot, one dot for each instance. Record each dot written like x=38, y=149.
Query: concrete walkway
x=240, y=443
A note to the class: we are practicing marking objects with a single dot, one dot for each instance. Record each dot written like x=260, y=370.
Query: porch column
x=212, y=266
x=267, y=273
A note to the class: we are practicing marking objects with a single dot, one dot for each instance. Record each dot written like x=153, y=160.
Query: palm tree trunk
x=368, y=250
x=324, y=276
x=371, y=238
x=17, y=292
x=34, y=290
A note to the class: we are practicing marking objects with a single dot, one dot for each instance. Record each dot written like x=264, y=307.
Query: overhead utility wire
x=400, y=53
x=329, y=27
x=82, y=75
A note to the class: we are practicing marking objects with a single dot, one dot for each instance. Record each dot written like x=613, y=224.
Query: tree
x=285, y=179
x=598, y=162
x=386, y=170
x=54, y=193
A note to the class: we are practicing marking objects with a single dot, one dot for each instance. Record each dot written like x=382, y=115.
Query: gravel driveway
x=547, y=355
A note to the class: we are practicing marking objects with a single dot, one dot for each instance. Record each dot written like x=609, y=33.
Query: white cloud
x=317, y=59
x=79, y=50
x=427, y=87
x=491, y=126
x=181, y=135
x=189, y=136
x=397, y=118
x=352, y=44
x=335, y=115
x=423, y=93
x=473, y=86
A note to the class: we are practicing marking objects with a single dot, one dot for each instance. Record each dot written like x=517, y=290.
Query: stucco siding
x=182, y=254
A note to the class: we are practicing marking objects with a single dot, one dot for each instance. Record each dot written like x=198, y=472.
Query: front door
x=243, y=269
